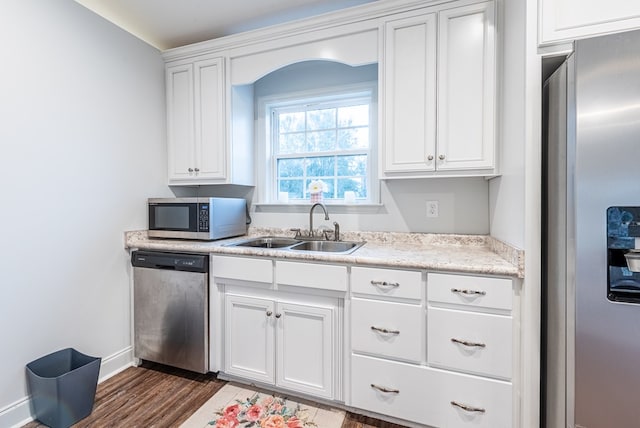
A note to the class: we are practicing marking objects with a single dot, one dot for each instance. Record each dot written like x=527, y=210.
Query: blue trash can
x=63, y=387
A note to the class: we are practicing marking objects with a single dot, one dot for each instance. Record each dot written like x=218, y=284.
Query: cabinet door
x=305, y=349
x=180, y=121
x=410, y=94
x=210, y=131
x=249, y=338
x=566, y=20
x=466, y=86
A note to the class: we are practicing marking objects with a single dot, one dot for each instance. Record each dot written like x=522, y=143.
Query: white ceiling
x=167, y=24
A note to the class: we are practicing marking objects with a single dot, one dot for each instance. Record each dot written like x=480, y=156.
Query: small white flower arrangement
x=318, y=186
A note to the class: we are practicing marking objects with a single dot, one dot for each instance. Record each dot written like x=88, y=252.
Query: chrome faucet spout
x=326, y=216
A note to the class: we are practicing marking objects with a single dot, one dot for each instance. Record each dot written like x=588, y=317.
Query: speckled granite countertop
x=452, y=253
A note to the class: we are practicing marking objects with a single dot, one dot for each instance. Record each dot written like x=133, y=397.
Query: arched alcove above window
x=354, y=49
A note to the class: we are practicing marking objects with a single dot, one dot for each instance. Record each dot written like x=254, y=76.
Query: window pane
x=291, y=143
x=290, y=122
x=357, y=185
x=321, y=141
x=354, y=138
x=320, y=167
x=294, y=187
x=352, y=165
x=353, y=116
x=321, y=119
x=326, y=138
x=290, y=167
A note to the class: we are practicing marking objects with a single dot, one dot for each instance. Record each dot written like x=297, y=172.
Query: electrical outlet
x=432, y=209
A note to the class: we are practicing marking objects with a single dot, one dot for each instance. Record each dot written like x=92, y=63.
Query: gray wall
x=83, y=145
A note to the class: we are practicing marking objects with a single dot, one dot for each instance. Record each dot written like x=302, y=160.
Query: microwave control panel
x=203, y=217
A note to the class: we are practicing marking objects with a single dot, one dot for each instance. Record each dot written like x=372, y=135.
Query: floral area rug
x=235, y=406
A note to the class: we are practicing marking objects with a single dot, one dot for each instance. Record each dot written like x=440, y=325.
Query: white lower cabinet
x=433, y=349
x=249, y=338
x=304, y=350
x=437, y=352
x=287, y=344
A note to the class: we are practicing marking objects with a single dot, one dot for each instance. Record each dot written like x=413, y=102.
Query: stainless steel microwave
x=197, y=218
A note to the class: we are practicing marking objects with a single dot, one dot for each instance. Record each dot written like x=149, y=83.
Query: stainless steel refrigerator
x=591, y=222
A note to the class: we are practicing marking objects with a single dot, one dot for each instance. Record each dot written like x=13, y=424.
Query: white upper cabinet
x=196, y=122
x=410, y=94
x=566, y=20
x=466, y=88
x=180, y=120
x=439, y=86
x=437, y=89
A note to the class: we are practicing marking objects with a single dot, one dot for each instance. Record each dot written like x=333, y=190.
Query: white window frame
x=265, y=163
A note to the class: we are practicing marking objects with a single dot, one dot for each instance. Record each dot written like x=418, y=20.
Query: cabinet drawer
x=430, y=396
x=327, y=277
x=471, y=291
x=470, y=401
x=470, y=341
x=409, y=395
x=387, y=282
x=403, y=338
x=243, y=268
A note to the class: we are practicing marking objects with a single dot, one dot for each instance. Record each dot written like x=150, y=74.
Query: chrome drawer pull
x=473, y=292
x=468, y=408
x=383, y=389
x=269, y=313
x=385, y=283
x=384, y=330
x=469, y=344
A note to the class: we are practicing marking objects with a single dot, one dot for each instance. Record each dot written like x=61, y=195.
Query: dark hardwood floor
x=156, y=396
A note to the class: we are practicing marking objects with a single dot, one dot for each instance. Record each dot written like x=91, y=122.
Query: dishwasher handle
x=170, y=261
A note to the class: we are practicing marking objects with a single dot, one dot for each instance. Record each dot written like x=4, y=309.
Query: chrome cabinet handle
x=269, y=313
x=190, y=170
x=384, y=330
x=441, y=157
x=278, y=315
x=430, y=157
x=383, y=389
x=468, y=408
x=384, y=283
x=197, y=169
x=469, y=344
x=469, y=292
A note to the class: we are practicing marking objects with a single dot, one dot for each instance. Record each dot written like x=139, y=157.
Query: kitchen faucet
x=326, y=216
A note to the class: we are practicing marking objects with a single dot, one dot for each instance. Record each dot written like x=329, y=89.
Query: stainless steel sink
x=267, y=242
x=327, y=246
x=301, y=245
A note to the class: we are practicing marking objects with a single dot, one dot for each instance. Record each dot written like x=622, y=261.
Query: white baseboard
x=18, y=413
x=115, y=363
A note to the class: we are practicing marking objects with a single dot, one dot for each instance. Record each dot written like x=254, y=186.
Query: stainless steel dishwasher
x=171, y=308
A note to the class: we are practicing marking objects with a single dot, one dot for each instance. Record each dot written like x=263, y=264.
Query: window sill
x=334, y=208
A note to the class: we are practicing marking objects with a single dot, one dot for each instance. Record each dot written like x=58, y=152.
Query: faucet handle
x=297, y=231
x=336, y=231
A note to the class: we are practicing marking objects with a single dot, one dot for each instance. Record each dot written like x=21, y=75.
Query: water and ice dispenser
x=623, y=254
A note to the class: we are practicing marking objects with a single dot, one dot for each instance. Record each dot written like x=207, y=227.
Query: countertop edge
x=509, y=260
